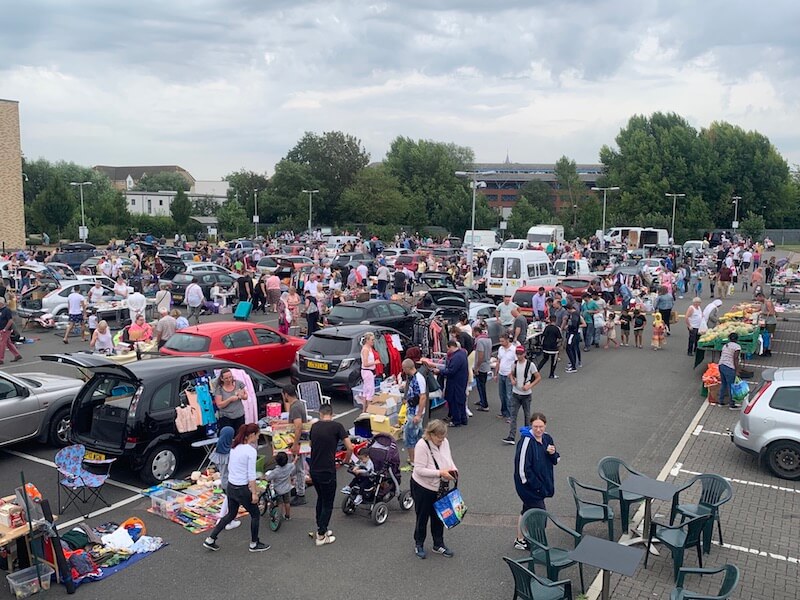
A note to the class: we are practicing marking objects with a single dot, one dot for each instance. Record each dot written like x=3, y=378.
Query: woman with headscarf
x=284, y=314
x=220, y=458
x=710, y=316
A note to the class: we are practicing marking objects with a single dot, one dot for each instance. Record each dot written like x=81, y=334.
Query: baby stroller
x=383, y=484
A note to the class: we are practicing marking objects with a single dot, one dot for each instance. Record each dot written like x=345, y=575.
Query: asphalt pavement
x=634, y=404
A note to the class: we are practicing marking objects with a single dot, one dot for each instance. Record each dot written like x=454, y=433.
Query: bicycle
x=268, y=504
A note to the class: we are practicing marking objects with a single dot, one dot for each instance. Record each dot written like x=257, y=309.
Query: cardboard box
x=11, y=516
x=380, y=424
x=387, y=399
x=383, y=409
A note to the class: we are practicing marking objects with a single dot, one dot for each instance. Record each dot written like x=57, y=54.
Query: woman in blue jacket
x=533, y=469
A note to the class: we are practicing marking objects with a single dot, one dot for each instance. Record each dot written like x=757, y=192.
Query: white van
x=567, y=267
x=637, y=237
x=481, y=239
x=510, y=270
x=541, y=235
x=515, y=244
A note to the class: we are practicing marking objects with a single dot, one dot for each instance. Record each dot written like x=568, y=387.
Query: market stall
x=744, y=319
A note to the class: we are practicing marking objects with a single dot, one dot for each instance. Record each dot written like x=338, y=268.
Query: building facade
x=12, y=205
x=125, y=178
x=502, y=186
x=157, y=204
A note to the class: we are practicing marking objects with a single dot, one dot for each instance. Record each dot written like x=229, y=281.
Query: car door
x=236, y=346
x=402, y=319
x=159, y=417
x=271, y=352
x=379, y=314
x=20, y=412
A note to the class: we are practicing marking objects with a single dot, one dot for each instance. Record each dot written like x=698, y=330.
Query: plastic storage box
x=25, y=583
x=167, y=502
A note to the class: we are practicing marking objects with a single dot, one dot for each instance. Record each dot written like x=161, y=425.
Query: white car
x=55, y=300
x=267, y=265
x=391, y=254
x=652, y=266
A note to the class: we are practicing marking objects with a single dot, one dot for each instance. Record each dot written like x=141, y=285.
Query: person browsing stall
x=228, y=397
x=416, y=399
x=297, y=417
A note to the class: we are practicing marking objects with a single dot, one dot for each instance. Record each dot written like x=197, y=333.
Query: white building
x=157, y=204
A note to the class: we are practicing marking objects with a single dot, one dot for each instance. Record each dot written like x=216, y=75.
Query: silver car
x=769, y=425
x=53, y=300
x=36, y=405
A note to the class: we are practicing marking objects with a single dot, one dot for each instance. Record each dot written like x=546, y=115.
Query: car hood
x=50, y=382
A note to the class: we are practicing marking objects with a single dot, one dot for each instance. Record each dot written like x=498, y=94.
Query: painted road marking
x=772, y=555
x=101, y=511
x=699, y=429
x=770, y=486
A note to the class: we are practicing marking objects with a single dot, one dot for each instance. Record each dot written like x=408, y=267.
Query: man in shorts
x=76, y=305
x=416, y=399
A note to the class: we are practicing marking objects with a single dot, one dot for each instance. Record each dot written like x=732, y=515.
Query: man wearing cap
x=524, y=376
x=166, y=327
x=6, y=327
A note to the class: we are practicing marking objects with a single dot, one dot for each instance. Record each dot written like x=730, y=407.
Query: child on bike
x=281, y=478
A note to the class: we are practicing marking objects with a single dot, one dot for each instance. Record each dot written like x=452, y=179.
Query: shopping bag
x=673, y=317
x=739, y=390
x=450, y=508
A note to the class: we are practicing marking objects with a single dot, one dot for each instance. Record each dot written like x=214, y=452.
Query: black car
x=128, y=411
x=452, y=300
x=206, y=280
x=332, y=356
x=375, y=312
x=74, y=257
x=474, y=295
x=349, y=260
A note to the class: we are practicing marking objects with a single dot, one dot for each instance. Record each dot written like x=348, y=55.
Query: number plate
x=94, y=456
x=321, y=366
x=178, y=297
x=495, y=285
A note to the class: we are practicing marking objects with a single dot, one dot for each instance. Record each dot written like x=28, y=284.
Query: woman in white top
x=242, y=488
x=102, y=340
x=96, y=293
x=368, y=369
x=163, y=298
x=121, y=288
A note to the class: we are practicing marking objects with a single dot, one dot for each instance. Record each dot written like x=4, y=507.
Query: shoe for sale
x=325, y=539
x=521, y=544
x=420, y=551
x=298, y=501
x=509, y=440
x=258, y=547
x=233, y=524
x=211, y=544
x=444, y=551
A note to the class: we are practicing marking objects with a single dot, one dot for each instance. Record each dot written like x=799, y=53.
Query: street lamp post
x=83, y=233
x=310, y=194
x=674, y=201
x=475, y=185
x=735, y=200
x=605, y=190
x=255, y=213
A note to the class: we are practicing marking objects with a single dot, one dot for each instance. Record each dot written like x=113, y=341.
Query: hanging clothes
x=251, y=402
x=395, y=362
x=206, y=403
x=436, y=336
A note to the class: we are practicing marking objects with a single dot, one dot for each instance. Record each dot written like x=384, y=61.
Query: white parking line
x=699, y=429
x=100, y=511
x=790, y=559
x=770, y=486
x=349, y=412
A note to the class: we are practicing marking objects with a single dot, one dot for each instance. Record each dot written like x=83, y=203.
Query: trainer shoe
x=358, y=500
x=553, y=376
x=521, y=544
x=298, y=501
x=211, y=544
x=312, y=534
x=469, y=413
x=509, y=440
x=325, y=539
x=233, y=524
x=444, y=551
x=570, y=370
x=734, y=406
x=483, y=408
x=258, y=547
x=346, y=490
x=420, y=552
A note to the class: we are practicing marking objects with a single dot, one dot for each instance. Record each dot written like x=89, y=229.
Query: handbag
x=449, y=505
x=673, y=318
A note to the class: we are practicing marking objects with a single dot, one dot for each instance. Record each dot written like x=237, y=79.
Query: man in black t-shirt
x=245, y=287
x=325, y=437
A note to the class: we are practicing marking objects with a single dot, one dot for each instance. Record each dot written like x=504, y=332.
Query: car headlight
x=346, y=363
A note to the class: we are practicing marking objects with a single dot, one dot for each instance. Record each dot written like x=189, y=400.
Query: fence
x=783, y=236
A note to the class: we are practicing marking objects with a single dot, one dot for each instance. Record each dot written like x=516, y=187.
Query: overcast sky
x=216, y=85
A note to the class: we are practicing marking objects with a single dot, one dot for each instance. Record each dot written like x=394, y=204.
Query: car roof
x=367, y=304
x=216, y=327
x=349, y=330
x=160, y=365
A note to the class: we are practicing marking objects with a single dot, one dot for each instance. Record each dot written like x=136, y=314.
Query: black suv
x=128, y=411
x=350, y=260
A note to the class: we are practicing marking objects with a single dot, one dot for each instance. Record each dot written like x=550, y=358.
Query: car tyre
x=160, y=464
x=58, y=434
x=783, y=459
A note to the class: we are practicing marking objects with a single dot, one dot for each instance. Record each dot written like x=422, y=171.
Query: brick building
x=12, y=206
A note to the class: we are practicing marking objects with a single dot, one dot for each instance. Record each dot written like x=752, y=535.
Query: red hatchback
x=411, y=261
x=251, y=344
x=577, y=285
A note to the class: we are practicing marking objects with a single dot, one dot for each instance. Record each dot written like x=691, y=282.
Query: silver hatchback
x=769, y=425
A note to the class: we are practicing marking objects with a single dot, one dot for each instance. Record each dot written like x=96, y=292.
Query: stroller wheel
x=406, y=500
x=348, y=506
x=275, y=518
x=380, y=512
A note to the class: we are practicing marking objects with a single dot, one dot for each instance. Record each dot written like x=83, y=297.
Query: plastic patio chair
x=534, y=525
x=714, y=492
x=678, y=538
x=529, y=586
x=610, y=468
x=79, y=484
x=310, y=392
x=726, y=589
x=590, y=512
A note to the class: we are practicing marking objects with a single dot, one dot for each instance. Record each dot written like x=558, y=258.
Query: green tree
x=333, y=160
x=539, y=195
x=523, y=216
x=204, y=206
x=374, y=197
x=112, y=209
x=54, y=206
x=753, y=226
x=284, y=202
x=232, y=218
x=243, y=184
x=162, y=181
x=181, y=210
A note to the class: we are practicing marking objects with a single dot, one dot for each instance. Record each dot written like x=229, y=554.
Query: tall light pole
x=310, y=194
x=674, y=201
x=475, y=185
x=83, y=232
x=255, y=213
x=613, y=188
x=735, y=200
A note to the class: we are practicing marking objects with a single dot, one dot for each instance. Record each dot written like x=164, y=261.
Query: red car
x=251, y=344
x=411, y=261
x=576, y=285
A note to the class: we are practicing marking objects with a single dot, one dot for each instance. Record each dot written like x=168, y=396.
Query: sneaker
x=210, y=544
x=477, y=404
x=16, y=358
x=233, y=524
x=258, y=547
x=325, y=539
x=312, y=534
x=287, y=518
x=444, y=551
x=483, y=408
x=553, y=377
x=570, y=370
x=580, y=364
x=469, y=413
x=734, y=407
x=358, y=500
x=521, y=544
x=298, y=501
x=420, y=552
x=509, y=440
x=346, y=490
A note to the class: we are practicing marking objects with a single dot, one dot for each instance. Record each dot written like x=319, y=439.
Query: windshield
x=187, y=342
x=539, y=238
x=348, y=313
x=328, y=345
x=182, y=279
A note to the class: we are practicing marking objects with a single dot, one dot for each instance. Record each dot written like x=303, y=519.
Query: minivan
x=510, y=270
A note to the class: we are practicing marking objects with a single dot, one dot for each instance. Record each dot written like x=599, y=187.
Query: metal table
x=608, y=557
x=651, y=489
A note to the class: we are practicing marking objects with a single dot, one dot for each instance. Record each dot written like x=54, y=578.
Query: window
x=149, y=205
x=396, y=309
x=381, y=311
x=7, y=389
x=533, y=270
x=348, y=313
x=237, y=339
x=163, y=399
x=328, y=345
x=496, y=269
x=133, y=201
x=265, y=336
x=786, y=398
x=513, y=267
x=161, y=203
x=187, y=342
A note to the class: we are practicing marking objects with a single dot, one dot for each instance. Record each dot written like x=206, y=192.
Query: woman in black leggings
x=551, y=340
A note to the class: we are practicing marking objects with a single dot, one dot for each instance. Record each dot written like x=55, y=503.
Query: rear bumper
x=339, y=383
x=743, y=443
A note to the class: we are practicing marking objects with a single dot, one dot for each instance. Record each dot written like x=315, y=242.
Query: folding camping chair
x=79, y=484
x=310, y=393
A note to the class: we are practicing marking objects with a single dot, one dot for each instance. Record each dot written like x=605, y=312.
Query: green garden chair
x=534, y=525
x=590, y=512
x=729, y=583
x=610, y=470
x=529, y=586
x=714, y=492
x=678, y=538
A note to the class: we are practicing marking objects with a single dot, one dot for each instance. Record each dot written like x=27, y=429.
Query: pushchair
x=383, y=484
